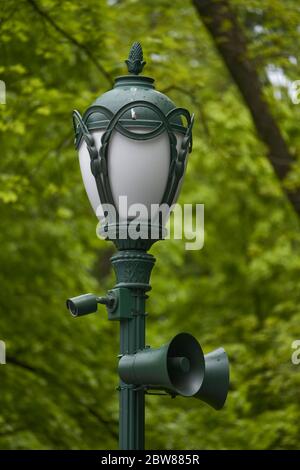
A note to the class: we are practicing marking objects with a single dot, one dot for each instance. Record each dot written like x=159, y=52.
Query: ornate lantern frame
x=115, y=122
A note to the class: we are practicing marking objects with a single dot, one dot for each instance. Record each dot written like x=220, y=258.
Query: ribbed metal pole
x=132, y=401
x=133, y=270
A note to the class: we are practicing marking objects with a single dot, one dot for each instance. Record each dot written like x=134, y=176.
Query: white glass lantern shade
x=137, y=169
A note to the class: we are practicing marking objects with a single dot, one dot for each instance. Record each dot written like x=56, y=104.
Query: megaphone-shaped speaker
x=177, y=367
x=215, y=385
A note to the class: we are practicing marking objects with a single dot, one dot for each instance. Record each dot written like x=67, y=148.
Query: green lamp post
x=132, y=144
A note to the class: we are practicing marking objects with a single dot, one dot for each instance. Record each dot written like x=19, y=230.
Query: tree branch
x=194, y=100
x=221, y=22
x=71, y=39
x=108, y=423
x=10, y=432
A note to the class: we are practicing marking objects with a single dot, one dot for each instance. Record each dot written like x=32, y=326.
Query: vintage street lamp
x=133, y=147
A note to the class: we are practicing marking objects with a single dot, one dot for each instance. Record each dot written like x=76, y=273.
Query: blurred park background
x=233, y=63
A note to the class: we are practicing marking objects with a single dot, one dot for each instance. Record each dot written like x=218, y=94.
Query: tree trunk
x=230, y=41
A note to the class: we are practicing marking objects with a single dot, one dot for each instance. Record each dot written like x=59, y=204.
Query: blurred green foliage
x=241, y=291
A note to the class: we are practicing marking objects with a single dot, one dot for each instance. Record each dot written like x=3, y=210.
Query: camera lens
x=72, y=307
x=82, y=305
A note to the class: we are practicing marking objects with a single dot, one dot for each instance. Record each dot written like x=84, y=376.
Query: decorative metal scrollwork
x=99, y=159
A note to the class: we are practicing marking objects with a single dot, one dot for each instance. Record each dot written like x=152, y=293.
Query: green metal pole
x=132, y=401
x=133, y=269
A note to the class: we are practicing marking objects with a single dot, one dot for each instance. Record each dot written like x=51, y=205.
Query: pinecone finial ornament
x=135, y=62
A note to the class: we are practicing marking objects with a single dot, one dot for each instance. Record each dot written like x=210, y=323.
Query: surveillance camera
x=82, y=305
